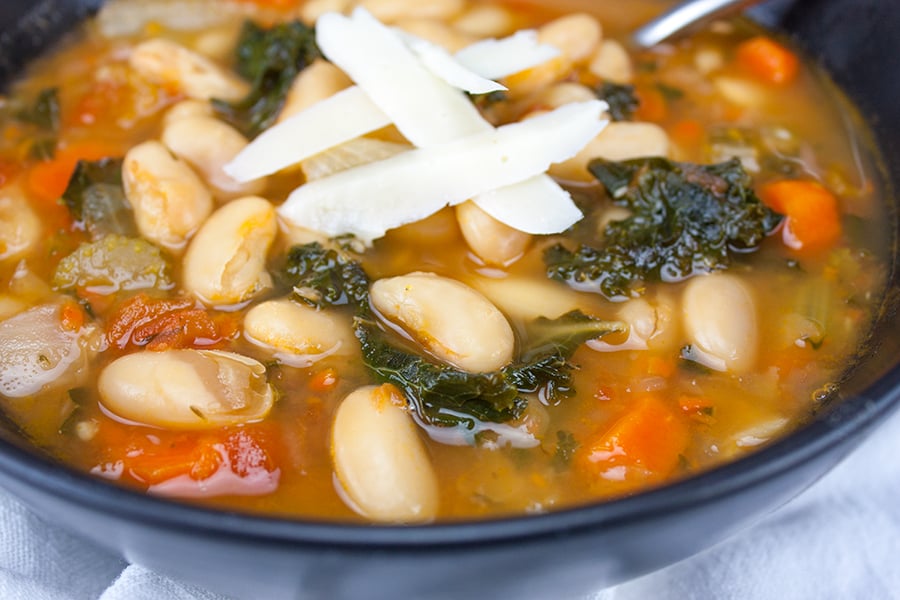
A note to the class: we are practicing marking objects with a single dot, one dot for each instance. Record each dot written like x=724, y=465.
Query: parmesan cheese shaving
x=537, y=205
x=354, y=153
x=495, y=59
x=368, y=200
x=444, y=65
x=342, y=117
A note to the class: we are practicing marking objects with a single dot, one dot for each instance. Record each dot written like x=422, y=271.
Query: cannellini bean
x=297, y=334
x=742, y=92
x=538, y=77
x=208, y=144
x=390, y=11
x=379, y=459
x=186, y=389
x=169, y=200
x=492, y=241
x=485, y=21
x=451, y=320
x=576, y=35
x=719, y=316
x=651, y=325
x=165, y=62
x=611, y=62
x=38, y=353
x=619, y=141
x=20, y=226
x=436, y=32
x=528, y=299
x=225, y=262
x=218, y=43
x=315, y=83
x=563, y=93
x=188, y=108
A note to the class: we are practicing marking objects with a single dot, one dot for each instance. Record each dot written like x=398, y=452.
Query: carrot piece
x=47, y=180
x=813, y=218
x=687, y=133
x=768, y=60
x=652, y=105
x=71, y=316
x=643, y=446
x=323, y=380
x=161, y=324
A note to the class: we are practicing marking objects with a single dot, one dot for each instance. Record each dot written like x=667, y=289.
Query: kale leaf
x=321, y=276
x=442, y=394
x=95, y=198
x=269, y=59
x=621, y=99
x=43, y=115
x=686, y=219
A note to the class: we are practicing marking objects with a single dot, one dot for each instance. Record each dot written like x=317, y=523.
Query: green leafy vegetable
x=686, y=219
x=43, y=113
x=95, y=197
x=621, y=99
x=324, y=277
x=112, y=264
x=566, y=446
x=441, y=394
x=269, y=59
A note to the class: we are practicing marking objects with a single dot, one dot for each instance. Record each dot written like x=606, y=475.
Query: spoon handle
x=683, y=16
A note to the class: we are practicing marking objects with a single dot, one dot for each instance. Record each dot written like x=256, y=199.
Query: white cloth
x=839, y=539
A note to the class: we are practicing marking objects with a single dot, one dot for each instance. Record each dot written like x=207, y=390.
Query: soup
x=327, y=273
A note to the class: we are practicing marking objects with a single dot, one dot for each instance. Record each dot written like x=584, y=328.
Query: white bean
x=719, y=316
x=610, y=62
x=169, y=200
x=315, y=83
x=225, y=262
x=576, y=35
x=20, y=227
x=619, y=141
x=451, y=320
x=562, y=93
x=436, y=32
x=485, y=21
x=651, y=325
x=492, y=241
x=527, y=299
x=379, y=459
x=297, y=334
x=390, y=11
x=208, y=144
x=188, y=108
x=165, y=62
x=186, y=389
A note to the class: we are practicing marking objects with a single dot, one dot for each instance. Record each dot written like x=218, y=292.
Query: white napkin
x=839, y=539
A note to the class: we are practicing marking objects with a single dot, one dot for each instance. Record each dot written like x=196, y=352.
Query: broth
x=649, y=404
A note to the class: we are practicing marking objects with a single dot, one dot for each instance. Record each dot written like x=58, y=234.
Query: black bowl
x=578, y=550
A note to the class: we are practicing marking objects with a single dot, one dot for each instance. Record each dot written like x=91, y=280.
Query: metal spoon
x=684, y=16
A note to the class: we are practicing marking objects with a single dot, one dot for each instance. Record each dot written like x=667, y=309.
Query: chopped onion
x=368, y=200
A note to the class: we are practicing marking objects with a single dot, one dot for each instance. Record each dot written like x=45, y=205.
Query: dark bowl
x=579, y=550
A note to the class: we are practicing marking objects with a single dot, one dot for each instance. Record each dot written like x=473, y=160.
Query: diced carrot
x=813, y=220
x=47, y=180
x=645, y=445
x=652, y=105
x=8, y=170
x=687, y=133
x=71, y=316
x=323, y=380
x=768, y=60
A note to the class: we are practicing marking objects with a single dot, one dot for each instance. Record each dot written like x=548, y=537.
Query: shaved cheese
x=342, y=117
x=441, y=63
x=351, y=113
x=354, y=153
x=537, y=205
x=447, y=115
x=368, y=200
x=495, y=59
x=395, y=80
